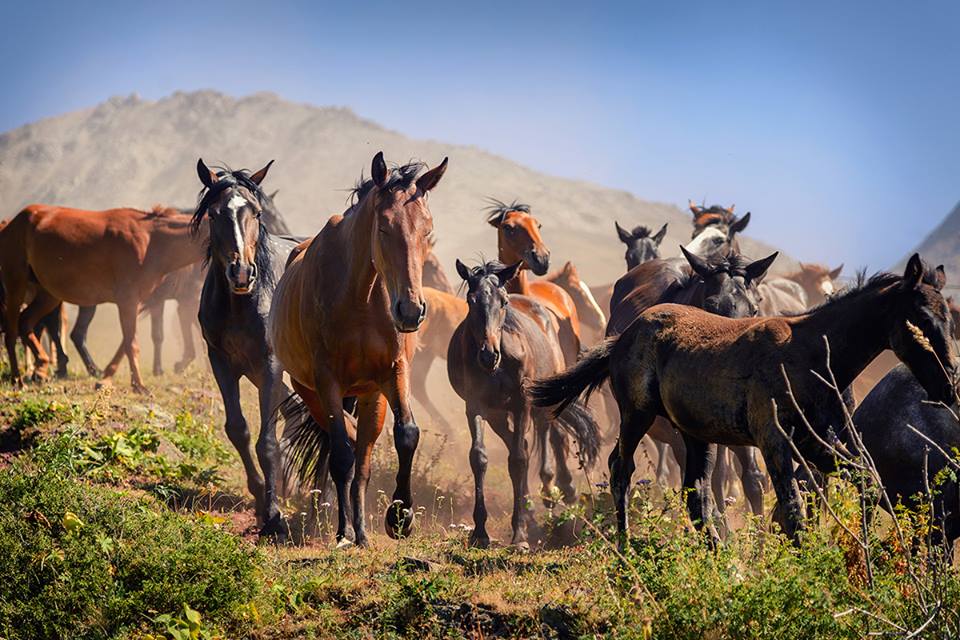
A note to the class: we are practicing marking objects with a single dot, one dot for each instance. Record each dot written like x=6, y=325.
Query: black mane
x=401, y=177
x=640, y=232
x=497, y=209
x=864, y=286
x=226, y=179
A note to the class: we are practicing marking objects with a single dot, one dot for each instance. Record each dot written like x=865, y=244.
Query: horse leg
x=478, y=463
x=634, y=423
x=406, y=436
x=53, y=323
x=558, y=442
x=328, y=400
x=518, y=462
x=701, y=460
x=779, y=459
x=418, y=387
x=128, y=346
x=548, y=469
x=718, y=484
x=156, y=333
x=79, y=338
x=42, y=304
x=569, y=341
x=236, y=425
x=751, y=477
x=187, y=311
x=371, y=413
x=272, y=393
x=15, y=293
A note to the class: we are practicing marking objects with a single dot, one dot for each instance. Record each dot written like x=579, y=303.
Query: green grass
x=100, y=538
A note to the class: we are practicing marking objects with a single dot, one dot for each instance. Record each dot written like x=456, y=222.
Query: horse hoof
x=344, y=543
x=103, y=384
x=275, y=530
x=62, y=374
x=479, y=541
x=399, y=520
x=140, y=389
x=158, y=372
x=94, y=372
x=180, y=367
x=523, y=546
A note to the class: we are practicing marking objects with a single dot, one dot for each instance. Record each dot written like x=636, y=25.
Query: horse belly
x=705, y=408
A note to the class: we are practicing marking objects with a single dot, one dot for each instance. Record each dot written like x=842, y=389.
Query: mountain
x=134, y=152
x=942, y=246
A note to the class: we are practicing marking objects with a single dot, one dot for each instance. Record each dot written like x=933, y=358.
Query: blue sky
x=835, y=125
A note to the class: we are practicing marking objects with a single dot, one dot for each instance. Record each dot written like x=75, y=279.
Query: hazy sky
x=835, y=125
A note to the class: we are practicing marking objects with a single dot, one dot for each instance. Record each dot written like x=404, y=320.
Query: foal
x=245, y=264
x=650, y=365
x=494, y=352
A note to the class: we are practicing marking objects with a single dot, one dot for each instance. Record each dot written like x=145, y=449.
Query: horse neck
x=857, y=329
x=359, y=275
x=519, y=284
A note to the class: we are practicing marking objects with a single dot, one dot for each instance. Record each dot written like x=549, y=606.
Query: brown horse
x=342, y=324
x=519, y=240
x=446, y=312
x=433, y=274
x=746, y=396
x=593, y=320
x=717, y=216
x=494, y=352
x=88, y=258
x=818, y=281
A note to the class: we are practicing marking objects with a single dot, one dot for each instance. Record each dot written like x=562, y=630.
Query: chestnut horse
x=519, y=240
x=446, y=312
x=818, y=281
x=745, y=397
x=342, y=324
x=433, y=274
x=494, y=352
x=593, y=320
x=88, y=258
x=717, y=216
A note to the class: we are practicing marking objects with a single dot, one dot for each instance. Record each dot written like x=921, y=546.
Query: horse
x=899, y=453
x=818, y=281
x=519, y=240
x=761, y=390
x=245, y=263
x=781, y=296
x=717, y=216
x=726, y=287
x=642, y=243
x=88, y=258
x=492, y=355
x=433, y=274
x=447, y=311
x=342, y=324
x=593, y=320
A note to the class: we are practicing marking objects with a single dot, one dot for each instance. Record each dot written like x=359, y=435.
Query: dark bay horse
x=745, y=396
x=898, y=452
x=245, y=264
x=342, y=324
x=494, y=352
x=642, y=243
x=519, y=240
x=88, y=258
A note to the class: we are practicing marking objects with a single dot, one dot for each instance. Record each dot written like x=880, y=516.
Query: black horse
x=245, y=263
x=898, y=452
x=642, y=243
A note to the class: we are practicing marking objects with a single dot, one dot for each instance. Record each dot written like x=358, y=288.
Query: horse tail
x=304, y=447
x=578, y=421
x=583, y=378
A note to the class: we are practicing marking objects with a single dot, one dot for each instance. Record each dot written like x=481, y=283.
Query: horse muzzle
x=408, y=315
x=538, y=261
x=488, y=358
x=241, y=278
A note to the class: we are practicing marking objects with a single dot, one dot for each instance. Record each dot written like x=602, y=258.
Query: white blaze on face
x=593, y=302
x=235, y=204
x=707, y=243
x=826, y=287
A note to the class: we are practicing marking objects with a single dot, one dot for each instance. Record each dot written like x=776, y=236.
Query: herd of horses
x=704, y=353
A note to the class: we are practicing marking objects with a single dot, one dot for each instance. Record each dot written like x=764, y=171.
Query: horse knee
x=478, y=460
x=237, y=432
x=406, y=437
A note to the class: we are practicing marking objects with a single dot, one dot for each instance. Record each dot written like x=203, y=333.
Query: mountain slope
x=129, y=151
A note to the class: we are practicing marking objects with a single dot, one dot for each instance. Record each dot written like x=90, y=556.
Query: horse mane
x=226, y=178
x=486, y=268
x=641, y=231
x=496, y=209
x=864, y=286
x=400, y=177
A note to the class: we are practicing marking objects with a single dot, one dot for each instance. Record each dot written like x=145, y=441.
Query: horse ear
x=694, y=209
x=260, y=175
x=624, y=235
x=463, y=270
x=757, y=269
x=429, y=180
x=913, y=274
x=507, y=274
x=207, y=177
x=738, y=225
x=378, y=170
x=836, y=272
x=274, y=194
x=660, y=235
x=698, y=264
x=568, y=268
x=731, y=208
x=940, y=278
